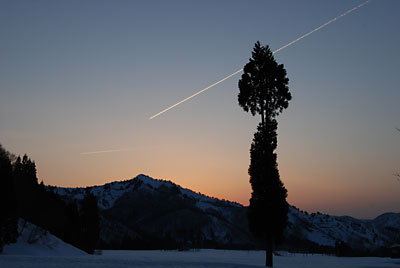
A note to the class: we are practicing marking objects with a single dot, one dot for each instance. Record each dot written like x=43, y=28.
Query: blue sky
x=79, y=76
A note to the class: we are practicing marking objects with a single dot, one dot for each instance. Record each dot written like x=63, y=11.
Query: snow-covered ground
x=196, y=259
x=34, y=241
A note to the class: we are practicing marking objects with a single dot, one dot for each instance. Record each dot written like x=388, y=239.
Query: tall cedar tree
x=263, y=90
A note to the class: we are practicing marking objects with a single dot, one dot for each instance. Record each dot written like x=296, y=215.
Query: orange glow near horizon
x=312, y=193
x=75, y=96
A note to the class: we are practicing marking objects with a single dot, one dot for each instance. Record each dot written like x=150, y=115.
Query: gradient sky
x=83, y=76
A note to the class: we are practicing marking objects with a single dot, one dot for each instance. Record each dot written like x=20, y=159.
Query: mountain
x=325, y=231
x=144, y=213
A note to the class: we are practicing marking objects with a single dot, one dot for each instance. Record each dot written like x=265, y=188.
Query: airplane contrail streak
x=322, y=26
x=276, y=51
x=107, y=151
x=197, y=93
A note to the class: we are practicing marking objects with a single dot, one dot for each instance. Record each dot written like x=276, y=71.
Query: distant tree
x=26, y=187
x=90, y=229
x=8, y=213
x=22, y=197
x=263, y=90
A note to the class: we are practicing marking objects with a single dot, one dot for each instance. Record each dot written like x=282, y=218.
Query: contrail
x=107, y=151
x=322, y=26
x=197, y=93
x=276, y=51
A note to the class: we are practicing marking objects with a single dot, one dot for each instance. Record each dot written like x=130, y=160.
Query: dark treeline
x=21, y=196
x=8, y=207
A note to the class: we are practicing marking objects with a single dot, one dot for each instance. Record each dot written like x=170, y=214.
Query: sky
x=85, y=76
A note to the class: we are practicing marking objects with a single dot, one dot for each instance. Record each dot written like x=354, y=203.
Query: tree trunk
x=262, y=116
x=262, y=119
x=268, y=253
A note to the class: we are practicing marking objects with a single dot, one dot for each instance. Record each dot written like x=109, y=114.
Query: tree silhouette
x=90, y=229
x=26, y=187
x=264, y=85
x=8, y=215
x=22, y=197
x=263, y=90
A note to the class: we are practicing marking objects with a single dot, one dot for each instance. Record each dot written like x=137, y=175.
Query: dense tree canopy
x=264, y=85
x=268, y=207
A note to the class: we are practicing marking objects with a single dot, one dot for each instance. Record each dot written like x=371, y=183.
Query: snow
x=107, y=194
x=203, y=202
x=327, y=230
x=319, y=228
x=34, y=241
x=152, y=182
x=189, y=259
x=204, y=205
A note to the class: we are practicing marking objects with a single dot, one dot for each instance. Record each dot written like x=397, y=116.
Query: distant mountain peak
x=144, y=206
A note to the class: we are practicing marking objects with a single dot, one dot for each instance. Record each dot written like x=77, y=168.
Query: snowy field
x=202, y=258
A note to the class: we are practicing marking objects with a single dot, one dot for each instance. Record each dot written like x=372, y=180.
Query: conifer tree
x=89, y=222
x=263, y=90
x=8, y=215
x=26, y=187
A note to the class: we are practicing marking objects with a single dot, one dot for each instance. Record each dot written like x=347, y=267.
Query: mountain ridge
x=145, y=178
x=60, y=190
x=161, y=211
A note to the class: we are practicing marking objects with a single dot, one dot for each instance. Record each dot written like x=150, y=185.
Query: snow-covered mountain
x=108, y=193
x=147, y=213
x=326, y=230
